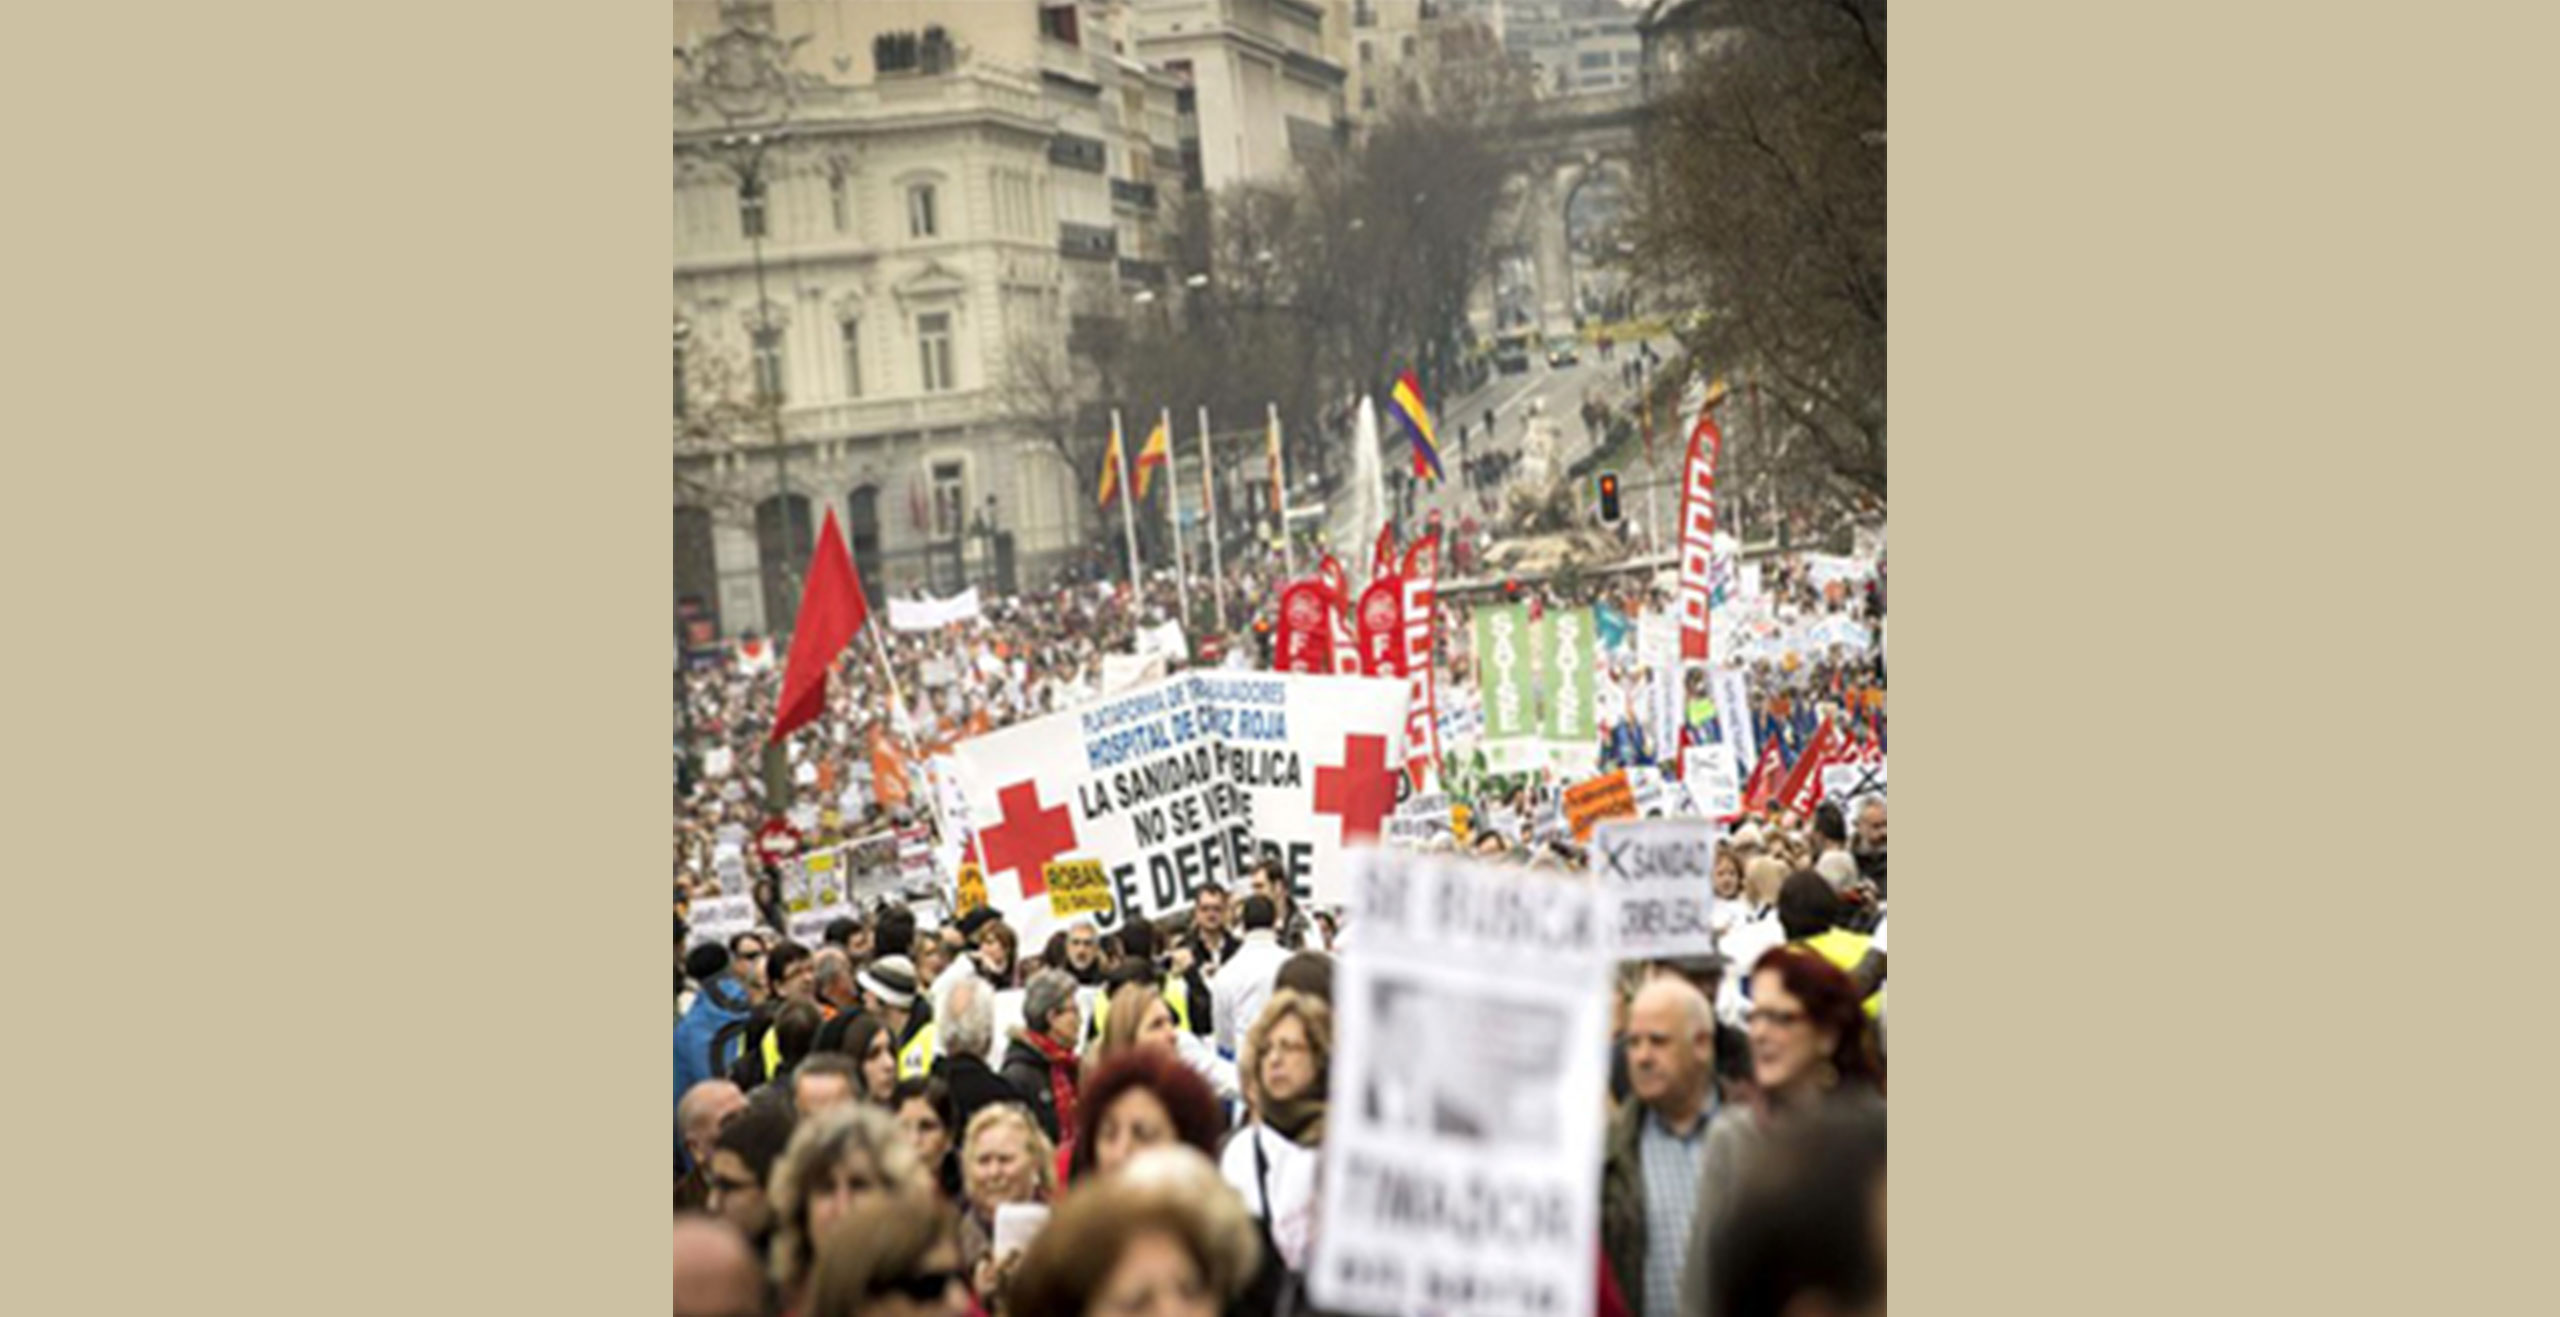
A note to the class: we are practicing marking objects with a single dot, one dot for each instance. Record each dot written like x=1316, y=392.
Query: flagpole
x=1128, y=515
x=898, y=712
x=1280, y=488
x=1209, y=497
x=1173, y=516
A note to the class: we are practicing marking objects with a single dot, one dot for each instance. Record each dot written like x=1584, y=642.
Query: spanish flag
x=1151, y=457
x=1406, y=400
x=1110, y=471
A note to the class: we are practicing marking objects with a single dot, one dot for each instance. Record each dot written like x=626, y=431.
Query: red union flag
x=1305, y=640
x=1697, y=534
x=1181, y=782
x=1420, y=585
x=1381, y=622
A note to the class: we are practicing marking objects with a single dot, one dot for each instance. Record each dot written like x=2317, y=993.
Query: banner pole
x=1209, y=498
x=1173, y=518
x=1128, y=515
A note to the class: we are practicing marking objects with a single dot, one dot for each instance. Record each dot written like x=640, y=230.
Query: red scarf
x=1062, y=1077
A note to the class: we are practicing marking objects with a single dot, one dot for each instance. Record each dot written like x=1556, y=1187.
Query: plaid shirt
x=1672, y=1164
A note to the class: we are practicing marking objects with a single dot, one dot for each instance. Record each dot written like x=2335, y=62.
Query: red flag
x=1803, y=787
x=831, y=610
x=1756, y=790
x=1382, y=561
x=1698, y=533
x=1420, y=584
x=1305, y=641
x=1330, y=573
x=1381, y=625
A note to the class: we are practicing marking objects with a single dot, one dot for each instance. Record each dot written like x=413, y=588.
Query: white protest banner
x=718, y=761
x=936, y=673
x=933, y=614
x=719, y=918
x=1824, y=568
x=1461, y=1169
x=1658, y=650
x=1186, y=781
x=1715, y=779
x=1659, y=877
x=809, y=927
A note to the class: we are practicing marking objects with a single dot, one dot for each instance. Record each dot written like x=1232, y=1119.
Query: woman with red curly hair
x=1141, y=1097
x=1811, y=1053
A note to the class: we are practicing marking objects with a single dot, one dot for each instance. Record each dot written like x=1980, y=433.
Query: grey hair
x=968, y=1017
x=1697, y=1013
x=835, y=969
x=1046, y=993
x=816, y=1147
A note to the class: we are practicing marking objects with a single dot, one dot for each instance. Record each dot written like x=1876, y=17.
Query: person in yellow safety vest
x=1809, y=911
x=1183, y=987
x=889, y=992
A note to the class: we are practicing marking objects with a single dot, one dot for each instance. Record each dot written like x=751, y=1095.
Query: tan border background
x=340, y=613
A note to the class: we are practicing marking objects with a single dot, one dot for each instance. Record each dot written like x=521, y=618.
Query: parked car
x=1564, y=350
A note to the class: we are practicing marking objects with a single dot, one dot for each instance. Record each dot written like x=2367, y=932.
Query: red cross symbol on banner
x=1361, y=791
x=1028, y=838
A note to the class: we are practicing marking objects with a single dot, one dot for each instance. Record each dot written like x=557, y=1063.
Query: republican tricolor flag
x=1153, y=455
x=1406, y=402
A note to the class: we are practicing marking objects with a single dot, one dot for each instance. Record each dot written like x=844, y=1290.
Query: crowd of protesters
x=877, y=1123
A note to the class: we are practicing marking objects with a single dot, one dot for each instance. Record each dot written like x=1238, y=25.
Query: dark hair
x=1310, y=972
x=781, y=961
x=1828, y=823
x=1733, y=1053
x=855, y=1043
x=936, y=1092
x=758, y=1134
x=1807, y=905
x=830, y=1063
x=1138, y=940
x=838, y=930
x=706, y=962
x=758, y=935
x=795, y=1030
x=895, y=931
x=1803, y=1221
x=1831, y=1001
x=1259, y=912
x=1197, y=1117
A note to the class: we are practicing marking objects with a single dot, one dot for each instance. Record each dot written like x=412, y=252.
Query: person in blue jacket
x=721, y=1002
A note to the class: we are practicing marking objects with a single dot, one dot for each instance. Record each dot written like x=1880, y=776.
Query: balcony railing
x=867, y=416
x=1140, y=195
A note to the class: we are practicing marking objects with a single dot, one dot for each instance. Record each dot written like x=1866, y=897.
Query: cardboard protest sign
x=1659, y=879
x=1715, y=779
x=1182, y=782
x=1665, y=698
x=1608, y=796
x=1077, y=887
x=1461, y=1169
x=933, y=614
x=1848, y=784
x=719, y=918
x=1732, y=688
x=1422, y=817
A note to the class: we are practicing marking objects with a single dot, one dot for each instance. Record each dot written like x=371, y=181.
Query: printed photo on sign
x=1470, y=1068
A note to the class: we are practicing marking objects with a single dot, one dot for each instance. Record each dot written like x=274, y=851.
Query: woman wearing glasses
x=890, y=1256
x=1812, y=1054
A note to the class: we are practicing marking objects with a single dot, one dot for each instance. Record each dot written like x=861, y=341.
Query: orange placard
x=1607, y=796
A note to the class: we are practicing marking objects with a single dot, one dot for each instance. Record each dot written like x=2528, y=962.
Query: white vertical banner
x=1463, y=1123
x=1732, y=694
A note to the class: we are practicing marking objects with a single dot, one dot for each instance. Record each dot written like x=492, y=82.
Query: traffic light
x=1609, y=511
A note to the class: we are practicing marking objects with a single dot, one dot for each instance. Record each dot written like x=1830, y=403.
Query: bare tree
x=1764, y=205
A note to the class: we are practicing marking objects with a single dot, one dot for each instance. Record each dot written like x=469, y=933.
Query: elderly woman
x=837, y=1158
x=1040, y=1061
x=1142, y=1098
x=1004, y=1159
x=890, y=1256
x=1271, y=1160
x=1165, y=1239
x=1811, y=1053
